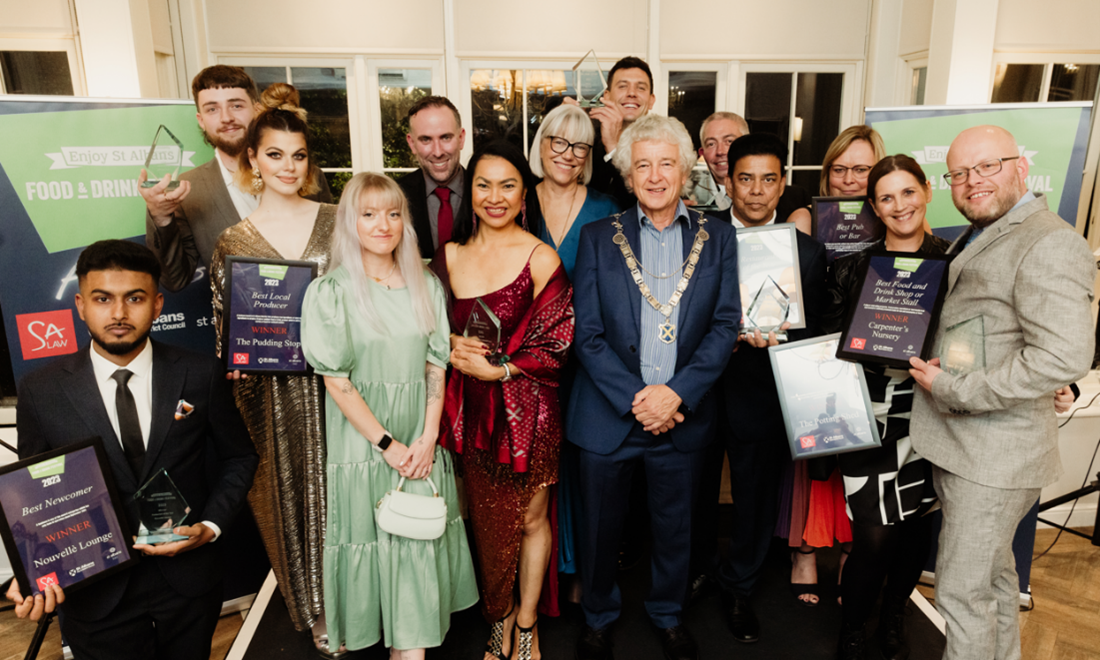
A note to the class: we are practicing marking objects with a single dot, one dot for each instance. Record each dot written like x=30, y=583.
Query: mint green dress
x=379, y=586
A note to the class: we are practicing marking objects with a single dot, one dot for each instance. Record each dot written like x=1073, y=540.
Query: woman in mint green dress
x=375, y=327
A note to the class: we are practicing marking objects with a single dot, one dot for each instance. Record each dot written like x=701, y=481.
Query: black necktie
x=129, y=428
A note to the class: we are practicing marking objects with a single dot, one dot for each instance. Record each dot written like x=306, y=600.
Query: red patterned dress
x=508, y=435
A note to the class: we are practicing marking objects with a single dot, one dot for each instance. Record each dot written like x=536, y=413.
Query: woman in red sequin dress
x=504, y=420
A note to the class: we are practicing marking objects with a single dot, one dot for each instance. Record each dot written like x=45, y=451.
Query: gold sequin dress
x=285, y=416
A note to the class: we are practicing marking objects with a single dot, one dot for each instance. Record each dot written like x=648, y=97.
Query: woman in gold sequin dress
x=284, y=414
x=504, y=420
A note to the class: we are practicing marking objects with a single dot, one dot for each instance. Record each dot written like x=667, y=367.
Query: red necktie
x=446, y=218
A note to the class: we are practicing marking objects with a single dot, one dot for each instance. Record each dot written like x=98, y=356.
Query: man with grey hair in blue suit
x=990, y=431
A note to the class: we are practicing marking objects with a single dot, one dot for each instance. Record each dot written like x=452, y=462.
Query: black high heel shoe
x=524, y=642
x=495, y=647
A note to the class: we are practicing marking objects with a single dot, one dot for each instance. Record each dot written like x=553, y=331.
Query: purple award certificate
x=894, y=316
x=62, y=522
x=845, y=225
x=262, y=325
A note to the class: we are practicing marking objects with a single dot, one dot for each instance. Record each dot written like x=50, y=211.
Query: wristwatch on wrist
x=507, y=373
x=383, y=444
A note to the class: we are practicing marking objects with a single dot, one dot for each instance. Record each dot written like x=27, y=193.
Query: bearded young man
x=182, y=225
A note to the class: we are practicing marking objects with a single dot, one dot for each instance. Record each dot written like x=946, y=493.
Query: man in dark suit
x=435, y=191
x=154, y=406
x=755, y=437
x=629, y=96
x=182, y=225
x=657, y=311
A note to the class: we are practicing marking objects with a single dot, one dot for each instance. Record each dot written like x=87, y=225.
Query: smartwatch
x=384, y=443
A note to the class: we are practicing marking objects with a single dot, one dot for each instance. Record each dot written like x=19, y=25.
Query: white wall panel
x=916, y=26
x=335, y=26
x=776, y=29
x=1050, y=25
x=559, y=28
x=40, y=18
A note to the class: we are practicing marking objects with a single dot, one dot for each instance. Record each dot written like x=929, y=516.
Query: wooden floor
x=1063, y=625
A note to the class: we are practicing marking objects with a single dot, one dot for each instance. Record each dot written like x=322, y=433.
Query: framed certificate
x=893, y=318
x=262, y=325
x=845, y=225
x=771, y=284
x=62, y=520
x=826, y=407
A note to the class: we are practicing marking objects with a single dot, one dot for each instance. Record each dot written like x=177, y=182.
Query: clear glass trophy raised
x=589, y=81
x=962, y=349
x=161, y=508
x=484, y=326
x=165, y=157
x=768, y=310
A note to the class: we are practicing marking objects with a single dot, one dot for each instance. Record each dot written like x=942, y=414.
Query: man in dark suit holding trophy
x=155, y=407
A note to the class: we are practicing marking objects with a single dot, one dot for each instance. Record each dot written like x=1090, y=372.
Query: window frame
x=373, y=102
x=1048, y=60
x=68, y=46
x=353, y=75
x=852, y=91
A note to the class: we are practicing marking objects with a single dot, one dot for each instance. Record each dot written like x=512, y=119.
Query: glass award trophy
x=589, y=81
x=963, y=347
x=161, y=508
x=484, y=326
x=769, y=309
x=165, y=157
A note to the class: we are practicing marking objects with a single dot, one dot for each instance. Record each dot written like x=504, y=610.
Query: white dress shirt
x=245, y=203
x=740, y=225
x=141, y=388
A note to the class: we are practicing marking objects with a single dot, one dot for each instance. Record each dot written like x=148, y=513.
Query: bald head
x=985, y=199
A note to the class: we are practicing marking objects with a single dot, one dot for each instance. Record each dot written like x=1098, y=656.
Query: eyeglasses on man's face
x=560, y=145
x=985, y=169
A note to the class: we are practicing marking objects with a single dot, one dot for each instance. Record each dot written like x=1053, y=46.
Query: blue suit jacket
x=607, y=305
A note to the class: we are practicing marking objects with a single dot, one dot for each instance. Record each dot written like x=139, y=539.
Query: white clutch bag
x=420, y=517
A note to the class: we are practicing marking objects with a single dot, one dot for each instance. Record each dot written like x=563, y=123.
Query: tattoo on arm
x=434, y=381
x=346, y=388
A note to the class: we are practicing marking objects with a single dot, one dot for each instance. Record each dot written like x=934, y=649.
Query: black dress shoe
x=741, y=619
x=699, y=588
x=853, y=644
x=891, y=636
x=677, y=643
x=594, y=645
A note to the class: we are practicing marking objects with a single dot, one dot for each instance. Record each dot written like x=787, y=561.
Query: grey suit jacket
x=1031, y=278
x=189, y=240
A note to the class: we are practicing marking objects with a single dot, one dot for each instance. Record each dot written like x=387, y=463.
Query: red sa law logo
x=858, y=344
x=240, y=358
x=46, y=580
x=807, y=441
x=46, y=334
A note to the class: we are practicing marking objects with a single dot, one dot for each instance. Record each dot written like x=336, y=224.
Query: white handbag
x=420, y=517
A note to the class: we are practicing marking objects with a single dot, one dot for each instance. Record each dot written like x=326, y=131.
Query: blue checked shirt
x=661, y=252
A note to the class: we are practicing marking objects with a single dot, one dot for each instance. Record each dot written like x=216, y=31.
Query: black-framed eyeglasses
x=560, y=145
x=859, y=171
x=985, y=169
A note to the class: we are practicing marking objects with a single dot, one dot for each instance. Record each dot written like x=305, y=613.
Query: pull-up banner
x=1053, y=137
x=68, y=178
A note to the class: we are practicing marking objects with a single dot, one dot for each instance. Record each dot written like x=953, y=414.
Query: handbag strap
x=435, y=491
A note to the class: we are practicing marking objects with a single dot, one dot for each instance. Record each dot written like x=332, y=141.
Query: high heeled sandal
x=495, y=647
x=326, y=652
x=524, y=643
x=800, y=589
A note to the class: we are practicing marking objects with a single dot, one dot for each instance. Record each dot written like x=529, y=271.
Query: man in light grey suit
x=991, y=434
x=182, y=225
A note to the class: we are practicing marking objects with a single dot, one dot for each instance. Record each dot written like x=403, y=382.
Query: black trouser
x=894, y=553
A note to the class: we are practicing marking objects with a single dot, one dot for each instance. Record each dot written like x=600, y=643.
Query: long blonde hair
x=347, y=251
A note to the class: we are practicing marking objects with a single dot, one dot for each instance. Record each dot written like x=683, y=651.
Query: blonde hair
x=382, y=192
x=656, y=128
x=731, y=116
x=281, y=112
x=841, y=144
x=569, y=123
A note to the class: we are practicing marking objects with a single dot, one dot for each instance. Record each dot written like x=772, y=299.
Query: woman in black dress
x=889, y=488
